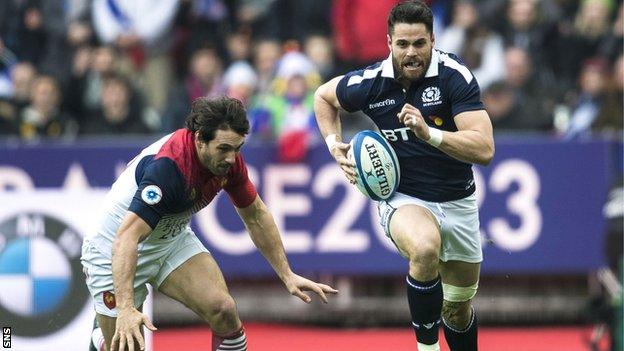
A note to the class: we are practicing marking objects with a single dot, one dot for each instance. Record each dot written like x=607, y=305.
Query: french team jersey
x=165, y=185
x=447, y=89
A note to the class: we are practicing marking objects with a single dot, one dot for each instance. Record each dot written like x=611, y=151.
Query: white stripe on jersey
x=368, y=74
x=451, y=63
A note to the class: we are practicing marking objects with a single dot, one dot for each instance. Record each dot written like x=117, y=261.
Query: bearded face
x=219, y=154
x=411, y=45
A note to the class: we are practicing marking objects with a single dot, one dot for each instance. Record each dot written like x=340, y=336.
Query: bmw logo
x=40, y=274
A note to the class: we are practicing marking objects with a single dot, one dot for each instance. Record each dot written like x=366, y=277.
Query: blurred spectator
x=22, y=30
x=515, y=48
x=532, y=105
x=240, y=81
x=613, y=44
x=263, y=17
x=121, y=111
x=611, y=115
x=8, y=117
x=305, y=18
x=592, y=20
x=43, y=116
x=320, y=50
x=203, y=79
x=592, y=82
x=43, y=31
x=89, y=66
x=287, y=114
x=359, y=30
x=266, y=54
x=22, y=76
x=526, y=28
x=469, y=38
x=501, y=106
x=65, y=26
x=238, y=45
x=204, y=22
x=7, y=61
x=141, y=29
x=580, y=39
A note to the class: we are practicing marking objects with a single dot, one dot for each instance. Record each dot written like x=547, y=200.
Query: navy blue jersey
x=172, y=182
x=447, y=89
x=165, y=185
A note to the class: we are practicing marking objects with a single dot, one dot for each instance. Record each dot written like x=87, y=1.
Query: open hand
x=128, y=330
x=297, y=284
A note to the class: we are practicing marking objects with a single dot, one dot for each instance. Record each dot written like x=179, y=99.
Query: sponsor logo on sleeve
x=151, y=194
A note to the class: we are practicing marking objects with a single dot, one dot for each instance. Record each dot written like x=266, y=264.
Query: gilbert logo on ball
x=376, y=165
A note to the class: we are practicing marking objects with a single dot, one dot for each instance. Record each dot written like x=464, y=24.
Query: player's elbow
x=487, y=155
x=116, y=246
x=123, y=239
x=319, y=94
x=325, y=95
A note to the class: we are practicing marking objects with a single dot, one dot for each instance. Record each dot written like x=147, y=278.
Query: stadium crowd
x=73, y=68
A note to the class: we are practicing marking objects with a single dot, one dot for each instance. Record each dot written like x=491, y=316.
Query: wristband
x=331, y=140
x=435, y=137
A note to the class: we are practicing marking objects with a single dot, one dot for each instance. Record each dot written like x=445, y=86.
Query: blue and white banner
x=540, y=200
x=43, y=296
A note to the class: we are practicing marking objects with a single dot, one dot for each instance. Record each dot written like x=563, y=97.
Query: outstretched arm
x=133, y=229
x=265, y=235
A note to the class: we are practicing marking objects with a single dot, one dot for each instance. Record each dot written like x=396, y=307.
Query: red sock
x=236, y=341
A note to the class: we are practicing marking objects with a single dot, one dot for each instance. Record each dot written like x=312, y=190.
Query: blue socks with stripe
x=462, y=340
x=425, y=303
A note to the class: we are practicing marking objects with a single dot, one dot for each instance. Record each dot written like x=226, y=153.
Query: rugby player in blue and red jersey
x=143, y=235
x=427, y=104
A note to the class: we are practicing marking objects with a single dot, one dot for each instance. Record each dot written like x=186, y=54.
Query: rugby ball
x=376, y=165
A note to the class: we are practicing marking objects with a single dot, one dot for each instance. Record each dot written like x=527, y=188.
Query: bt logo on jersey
x=393, y=134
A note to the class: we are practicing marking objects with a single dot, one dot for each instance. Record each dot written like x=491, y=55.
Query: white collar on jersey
x=387, y=70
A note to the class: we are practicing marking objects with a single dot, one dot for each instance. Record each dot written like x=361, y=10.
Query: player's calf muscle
x=457, y=314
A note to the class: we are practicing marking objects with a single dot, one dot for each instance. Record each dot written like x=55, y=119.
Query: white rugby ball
x=376, y=165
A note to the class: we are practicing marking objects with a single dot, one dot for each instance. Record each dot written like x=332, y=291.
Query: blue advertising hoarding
x=541, y=206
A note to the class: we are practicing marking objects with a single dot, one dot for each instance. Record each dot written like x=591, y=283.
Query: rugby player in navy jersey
x=426, y=103
x=143, y=235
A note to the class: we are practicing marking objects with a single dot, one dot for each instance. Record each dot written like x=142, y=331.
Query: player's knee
x=424, y=255
x=223, y=312
x=456, y=309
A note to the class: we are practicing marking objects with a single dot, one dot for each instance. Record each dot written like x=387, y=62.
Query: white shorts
x=458, y=222
x=152, y=267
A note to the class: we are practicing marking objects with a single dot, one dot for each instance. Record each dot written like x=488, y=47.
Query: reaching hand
x=339, y=152
x=412, y=118
x=297, y=284
x=128, y=330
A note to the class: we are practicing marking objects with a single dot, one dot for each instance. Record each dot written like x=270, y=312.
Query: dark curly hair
x=211, y=114
x=410, y=12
